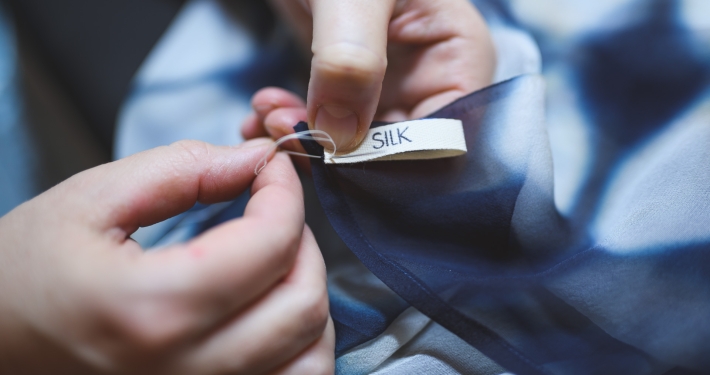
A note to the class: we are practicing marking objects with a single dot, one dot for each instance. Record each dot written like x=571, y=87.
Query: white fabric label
x=408, y=140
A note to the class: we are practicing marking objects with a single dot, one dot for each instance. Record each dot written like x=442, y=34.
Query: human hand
x=376, y=59
x=78, y=296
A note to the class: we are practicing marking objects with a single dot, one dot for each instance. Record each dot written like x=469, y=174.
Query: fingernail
x=340, y=123
x=263, y=108
x=256, y=142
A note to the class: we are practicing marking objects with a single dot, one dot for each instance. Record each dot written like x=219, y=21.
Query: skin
x=248, y=296
x=380, y=59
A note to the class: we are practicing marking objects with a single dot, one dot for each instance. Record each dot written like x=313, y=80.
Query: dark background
x=89, y=50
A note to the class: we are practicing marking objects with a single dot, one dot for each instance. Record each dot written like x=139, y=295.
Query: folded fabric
x=478, y=243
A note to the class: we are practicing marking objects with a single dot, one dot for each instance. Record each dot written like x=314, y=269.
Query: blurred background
x=69, y=66
x=70, y=63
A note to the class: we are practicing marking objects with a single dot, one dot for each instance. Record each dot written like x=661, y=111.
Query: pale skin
x=388, y=60
x=78, y=296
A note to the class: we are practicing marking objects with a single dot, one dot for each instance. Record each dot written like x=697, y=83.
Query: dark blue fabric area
x=636, y=78
x=547, y=323
x=682, y=371
x=441, y=234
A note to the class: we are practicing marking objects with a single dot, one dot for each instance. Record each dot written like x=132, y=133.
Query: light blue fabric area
x=198, y=81
x=18, y=161
x=414, y=344
x=662, y=180
x=180, y=91
x=657, y=204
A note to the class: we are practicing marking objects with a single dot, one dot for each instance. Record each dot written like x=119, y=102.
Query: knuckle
x=184, y=157
x=190, y=150
x=283, y=245
x=282, y=259
x=350, y=62
x=286, y=251
x=314, y=314
x=148, y=327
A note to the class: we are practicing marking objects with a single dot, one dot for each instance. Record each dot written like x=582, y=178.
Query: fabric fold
x=476, y=243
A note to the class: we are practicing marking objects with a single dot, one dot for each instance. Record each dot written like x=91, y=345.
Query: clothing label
x=408, y=140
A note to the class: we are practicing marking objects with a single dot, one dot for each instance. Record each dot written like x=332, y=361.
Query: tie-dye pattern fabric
x=573, y=238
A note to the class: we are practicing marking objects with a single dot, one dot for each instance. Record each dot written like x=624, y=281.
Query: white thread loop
x=309, y=135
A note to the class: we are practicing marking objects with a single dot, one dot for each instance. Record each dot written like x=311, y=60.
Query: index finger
x=157, y=184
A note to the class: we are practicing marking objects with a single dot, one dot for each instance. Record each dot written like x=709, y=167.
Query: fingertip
x=271, y=98
x=340, y=123
x=345, y=88
x=252, y=127
x=280, y=122
x=279, y=171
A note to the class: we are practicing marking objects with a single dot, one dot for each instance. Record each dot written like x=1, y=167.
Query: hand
x=377, y=59
x=78, y=296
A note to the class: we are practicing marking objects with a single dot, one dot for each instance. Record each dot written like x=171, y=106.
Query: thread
x=309, y=135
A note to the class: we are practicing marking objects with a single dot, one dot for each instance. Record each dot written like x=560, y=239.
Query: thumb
x=349, y=63
x=154, y=185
